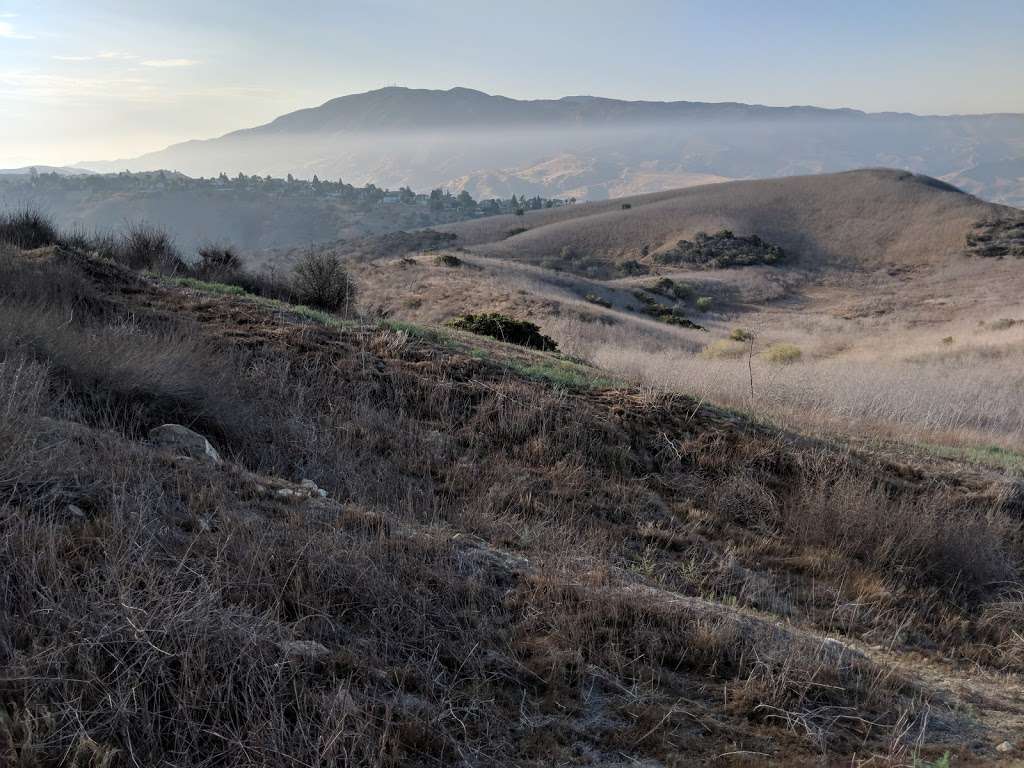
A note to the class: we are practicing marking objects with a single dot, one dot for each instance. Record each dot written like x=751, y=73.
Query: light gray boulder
x=182, y=441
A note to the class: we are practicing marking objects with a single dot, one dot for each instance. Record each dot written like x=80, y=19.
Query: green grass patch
x=536, y=366
x=222, y=289
x=987, y=455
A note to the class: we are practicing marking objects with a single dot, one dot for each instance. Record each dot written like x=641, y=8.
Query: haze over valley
x=593, y=148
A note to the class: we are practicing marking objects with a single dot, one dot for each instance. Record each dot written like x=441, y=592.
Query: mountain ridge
x=461, y=138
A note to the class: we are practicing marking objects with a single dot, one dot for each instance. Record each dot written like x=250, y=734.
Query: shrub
x=741, y=334
x=668, y=287
x=515, y=231
x=27, y=229
x=448, y=260
x=217, y=263
x=626, y=206
x=505, y=328
x=269, y=285
x=722, y=249
x=320, y=280
x=783, y=354
x=593, y=298
x=704, y=303
x=724, y=349
x=144, y=246
x=633, y=267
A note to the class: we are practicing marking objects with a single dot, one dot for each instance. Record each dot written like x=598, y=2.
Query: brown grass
x=501, y=569
x=855, y=218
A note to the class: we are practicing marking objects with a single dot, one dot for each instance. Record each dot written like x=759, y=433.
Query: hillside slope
x=858, y=218
x=512, y=559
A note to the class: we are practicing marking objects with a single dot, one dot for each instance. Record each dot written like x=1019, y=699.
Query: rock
x=309, y=484
x=321, y=493
x=306, y=650
x=182, y=441
x=1004, y=747
x=284, y=493
x=76, y=511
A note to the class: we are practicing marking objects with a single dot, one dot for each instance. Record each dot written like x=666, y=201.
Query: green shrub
x=670, y=288
x=27, y=229
x=505, y=328
x=741, y=334
x=593, y=298
x=321, y=281
x=704, y=303
x=447, y=260
x=783, y=354
x=515, y=231
x=722, y=249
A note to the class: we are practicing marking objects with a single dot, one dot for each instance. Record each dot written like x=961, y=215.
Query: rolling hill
x=858, y=218
x=584, y=146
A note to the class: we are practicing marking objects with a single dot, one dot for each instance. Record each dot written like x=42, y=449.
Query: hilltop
x=415, y=546
x=585, y=146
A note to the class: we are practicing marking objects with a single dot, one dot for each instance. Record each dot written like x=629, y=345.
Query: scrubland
x=517, y=562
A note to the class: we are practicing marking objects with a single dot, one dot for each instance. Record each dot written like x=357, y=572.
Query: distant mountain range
x=589, y=147
x=60, y=170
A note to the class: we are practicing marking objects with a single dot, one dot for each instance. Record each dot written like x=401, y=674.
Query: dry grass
x=853, y=218
x=502, y=568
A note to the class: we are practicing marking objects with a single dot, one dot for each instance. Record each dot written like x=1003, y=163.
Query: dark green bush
x=448, y=260
x=722, y=249
x=505, y=328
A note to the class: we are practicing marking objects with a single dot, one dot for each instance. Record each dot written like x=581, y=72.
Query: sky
x=106, y=79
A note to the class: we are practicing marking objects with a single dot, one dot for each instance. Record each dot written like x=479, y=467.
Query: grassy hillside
x=858, y=218
x=513, y=558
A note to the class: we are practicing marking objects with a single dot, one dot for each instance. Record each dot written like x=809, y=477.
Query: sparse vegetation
x=506, y=329
x=704, y=303
x=600, y=301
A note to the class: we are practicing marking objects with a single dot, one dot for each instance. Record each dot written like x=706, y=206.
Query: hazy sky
x=101, y=79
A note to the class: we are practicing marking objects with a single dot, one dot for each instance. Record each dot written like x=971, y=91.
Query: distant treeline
x=241, y=185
